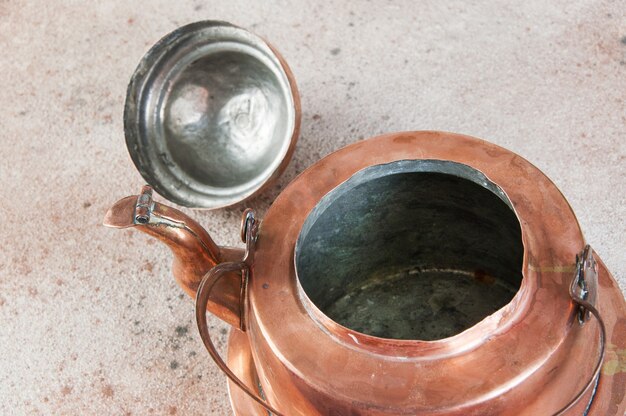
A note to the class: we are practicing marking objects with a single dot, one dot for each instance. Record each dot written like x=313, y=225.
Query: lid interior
x=210, y=115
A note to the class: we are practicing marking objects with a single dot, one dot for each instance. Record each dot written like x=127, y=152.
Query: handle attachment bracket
x=584, y=294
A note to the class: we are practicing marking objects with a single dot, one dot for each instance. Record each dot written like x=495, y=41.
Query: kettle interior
x=412, y=249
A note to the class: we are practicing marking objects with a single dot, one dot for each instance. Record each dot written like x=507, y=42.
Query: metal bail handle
x=584, y=292
x=249, y=231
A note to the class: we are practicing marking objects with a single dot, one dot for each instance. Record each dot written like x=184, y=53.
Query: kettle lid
x=212, y=115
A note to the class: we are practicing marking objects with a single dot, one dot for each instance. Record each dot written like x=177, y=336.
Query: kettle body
x=415, y=273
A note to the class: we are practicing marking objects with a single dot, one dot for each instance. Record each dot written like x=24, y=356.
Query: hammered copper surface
x=520, y=360
x=609, y=398
x=530, y=357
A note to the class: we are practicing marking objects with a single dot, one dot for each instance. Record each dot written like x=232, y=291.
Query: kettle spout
x=195, y=252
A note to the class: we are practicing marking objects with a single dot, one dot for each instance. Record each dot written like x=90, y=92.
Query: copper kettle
x=416, y=273
x=420, y=210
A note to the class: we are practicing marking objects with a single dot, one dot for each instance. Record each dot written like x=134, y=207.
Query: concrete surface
x=90, y=321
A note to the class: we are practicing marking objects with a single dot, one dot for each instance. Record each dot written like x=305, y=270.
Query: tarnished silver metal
x=143, y=206
x=211, y=115
x=246, y=219
x=375, y=232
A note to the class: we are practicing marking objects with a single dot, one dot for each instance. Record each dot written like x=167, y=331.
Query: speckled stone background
x=91, y=322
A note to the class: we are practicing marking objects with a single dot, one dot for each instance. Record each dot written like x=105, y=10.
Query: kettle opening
x=411, y=250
